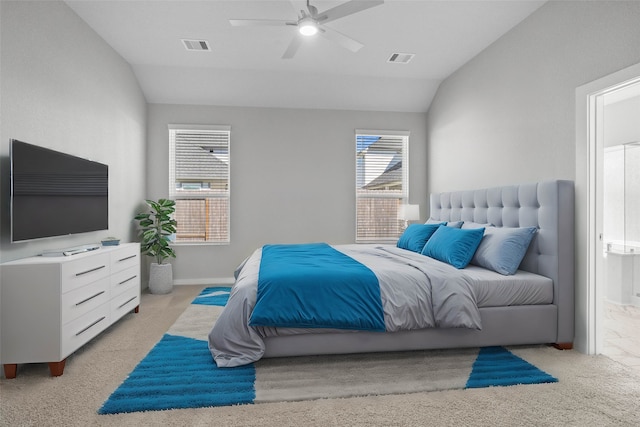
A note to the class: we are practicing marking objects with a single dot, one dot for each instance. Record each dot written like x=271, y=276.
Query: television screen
x=56, y=194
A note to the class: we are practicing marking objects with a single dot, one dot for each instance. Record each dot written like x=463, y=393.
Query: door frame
x=589, y=189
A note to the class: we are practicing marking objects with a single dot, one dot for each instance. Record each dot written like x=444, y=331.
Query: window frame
x=402, y=198
x=173, y=192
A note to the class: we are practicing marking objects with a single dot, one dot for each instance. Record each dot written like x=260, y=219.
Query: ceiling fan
x=311, y=22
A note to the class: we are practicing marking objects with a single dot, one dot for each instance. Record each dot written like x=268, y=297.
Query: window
x=199, y=182
x=381, y=184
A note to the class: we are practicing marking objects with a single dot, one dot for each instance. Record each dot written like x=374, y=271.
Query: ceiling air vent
x=197, y=45
x=401, y=58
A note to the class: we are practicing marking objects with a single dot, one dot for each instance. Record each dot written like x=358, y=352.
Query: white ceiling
x=245, y=67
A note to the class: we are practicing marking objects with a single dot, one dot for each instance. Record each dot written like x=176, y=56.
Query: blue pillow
x=502, y=249
x=454, y=246
x=416, y=235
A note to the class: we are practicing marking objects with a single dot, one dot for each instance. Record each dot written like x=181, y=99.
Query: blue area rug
x=179, y=371
x=213, y=296
x=497, y=366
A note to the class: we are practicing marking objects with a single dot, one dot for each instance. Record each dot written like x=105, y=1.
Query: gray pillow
x=470, y=224
x=502, y=249
x=454, y=224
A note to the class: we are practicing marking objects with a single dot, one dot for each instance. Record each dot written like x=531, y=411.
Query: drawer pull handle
x=90, y=298
x=128, y=301
x=93, y=324
x=90, y=271
x=126, y=258
x=126, y=280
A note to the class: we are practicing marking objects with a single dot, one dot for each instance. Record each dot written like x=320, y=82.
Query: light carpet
x=179, y=371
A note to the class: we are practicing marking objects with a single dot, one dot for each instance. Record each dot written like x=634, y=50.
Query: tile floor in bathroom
x=622, y=334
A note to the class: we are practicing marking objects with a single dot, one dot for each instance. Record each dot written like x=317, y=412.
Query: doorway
x=612, y=190
x=621, y=225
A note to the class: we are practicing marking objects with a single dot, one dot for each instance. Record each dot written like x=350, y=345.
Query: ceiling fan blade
x=260, y=22
x=345, y=9
x=296, y=41
x=341, y=39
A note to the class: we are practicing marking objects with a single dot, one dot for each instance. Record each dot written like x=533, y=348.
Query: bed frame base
x=563, y=345
x=515, y=325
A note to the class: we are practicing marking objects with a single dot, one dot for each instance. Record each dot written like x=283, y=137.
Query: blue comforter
x=416, y=292
x=316, y=286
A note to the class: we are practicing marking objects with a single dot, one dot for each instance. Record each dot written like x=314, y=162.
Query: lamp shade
x=409, y=212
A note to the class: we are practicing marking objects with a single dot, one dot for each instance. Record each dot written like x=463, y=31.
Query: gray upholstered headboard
x=548, y=205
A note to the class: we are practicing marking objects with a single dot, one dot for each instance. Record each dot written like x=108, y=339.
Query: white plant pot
x=160, y=278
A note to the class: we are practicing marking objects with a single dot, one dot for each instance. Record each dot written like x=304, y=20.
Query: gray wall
x=509, y=115
x=292, y=176
x=64, y=88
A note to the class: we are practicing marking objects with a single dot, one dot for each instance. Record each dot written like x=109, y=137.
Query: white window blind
x=381, y=184
x=199, y=162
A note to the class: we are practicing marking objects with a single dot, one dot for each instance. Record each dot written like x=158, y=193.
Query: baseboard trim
x=226, y=281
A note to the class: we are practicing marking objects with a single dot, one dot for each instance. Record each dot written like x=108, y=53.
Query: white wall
x=622, y=120
x=292, y=176
x=621, y=194
x=509, y=115
x=613, y=209
x=64, y=88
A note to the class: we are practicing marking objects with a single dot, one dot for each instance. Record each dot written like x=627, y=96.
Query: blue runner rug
x=179, y=371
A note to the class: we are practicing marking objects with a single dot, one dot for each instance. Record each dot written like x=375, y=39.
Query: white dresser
x=51, y=306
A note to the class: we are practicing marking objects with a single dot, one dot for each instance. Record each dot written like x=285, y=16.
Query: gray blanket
x=417, y=292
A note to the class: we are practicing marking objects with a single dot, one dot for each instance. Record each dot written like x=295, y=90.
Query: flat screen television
x=55, y=194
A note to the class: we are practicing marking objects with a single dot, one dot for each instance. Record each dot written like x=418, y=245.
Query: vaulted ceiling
x=245, y=66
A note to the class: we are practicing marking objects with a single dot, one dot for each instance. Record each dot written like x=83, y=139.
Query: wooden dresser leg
x=10, y=370
x=137, y=309
x=57, y=368
x=563, y=345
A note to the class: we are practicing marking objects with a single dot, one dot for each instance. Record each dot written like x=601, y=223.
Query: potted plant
x=156, y=227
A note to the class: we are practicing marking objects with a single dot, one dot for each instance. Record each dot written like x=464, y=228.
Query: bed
x=534, y=305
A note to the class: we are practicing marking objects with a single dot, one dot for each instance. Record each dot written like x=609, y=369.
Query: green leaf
x=156, y=226
x=149, y=234
x=169, y=228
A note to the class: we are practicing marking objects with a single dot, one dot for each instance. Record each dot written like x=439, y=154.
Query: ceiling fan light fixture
x=308, y=27
x=310, y=22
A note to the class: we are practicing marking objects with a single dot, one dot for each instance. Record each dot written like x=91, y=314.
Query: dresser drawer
x=125, y=257
x=126, y=279
x=79, y=301
x=77, y=332
x=124, y=303
x=84, y=270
